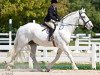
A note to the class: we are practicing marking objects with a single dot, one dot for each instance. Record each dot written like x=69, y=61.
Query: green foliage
x=96, y=3
x=91, y=11
x=63, y=7
x=24, y=11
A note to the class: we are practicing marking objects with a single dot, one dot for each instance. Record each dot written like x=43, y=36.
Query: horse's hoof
x=8, y=73
x=47, y=70
x=8, y=68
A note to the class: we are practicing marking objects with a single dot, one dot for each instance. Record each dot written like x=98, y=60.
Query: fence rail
x=83, y=42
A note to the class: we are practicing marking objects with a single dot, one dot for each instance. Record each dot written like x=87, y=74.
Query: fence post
x=99, y=53
x=89, y=35
x=33, y=21
x=10, y=33
x=77, y=42
x=45, y=52
x=93, y=56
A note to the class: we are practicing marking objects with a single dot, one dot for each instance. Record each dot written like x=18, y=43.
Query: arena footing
x=52, y=72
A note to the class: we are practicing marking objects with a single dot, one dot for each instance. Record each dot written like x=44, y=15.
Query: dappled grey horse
x=33, y=34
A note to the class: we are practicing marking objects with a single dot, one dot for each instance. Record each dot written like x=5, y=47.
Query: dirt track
x=55, y=72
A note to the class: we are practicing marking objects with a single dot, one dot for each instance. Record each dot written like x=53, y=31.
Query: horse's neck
x=71, y=23
x=69, y=26
x=71, y=29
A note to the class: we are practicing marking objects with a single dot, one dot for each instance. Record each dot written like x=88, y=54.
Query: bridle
x=82, y=18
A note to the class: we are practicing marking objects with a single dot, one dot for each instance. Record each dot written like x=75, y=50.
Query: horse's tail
x=11, y=52
x=13, y=49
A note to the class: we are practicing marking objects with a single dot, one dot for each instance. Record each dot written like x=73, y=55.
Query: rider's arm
x=50, y=11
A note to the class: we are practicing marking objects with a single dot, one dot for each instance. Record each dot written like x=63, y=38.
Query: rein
x=62, y=26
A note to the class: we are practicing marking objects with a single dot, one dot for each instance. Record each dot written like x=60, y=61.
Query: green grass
x=72, y=43
x=59, y=66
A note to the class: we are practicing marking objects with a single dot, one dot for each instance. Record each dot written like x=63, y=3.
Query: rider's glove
x=58, y=20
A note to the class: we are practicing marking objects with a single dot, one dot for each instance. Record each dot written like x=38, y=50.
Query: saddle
x=46, y=26
x=51, y=31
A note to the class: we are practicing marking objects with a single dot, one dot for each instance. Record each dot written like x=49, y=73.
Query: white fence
x=80, y=39
x=89, y=52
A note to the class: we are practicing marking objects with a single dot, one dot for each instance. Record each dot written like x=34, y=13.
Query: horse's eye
x=83, y=16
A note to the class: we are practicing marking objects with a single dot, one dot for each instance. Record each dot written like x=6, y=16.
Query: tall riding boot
x=50, y=33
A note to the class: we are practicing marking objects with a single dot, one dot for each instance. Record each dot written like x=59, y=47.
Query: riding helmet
x=54, y=1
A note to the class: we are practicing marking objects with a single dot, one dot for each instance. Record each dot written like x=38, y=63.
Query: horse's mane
x=68, y=15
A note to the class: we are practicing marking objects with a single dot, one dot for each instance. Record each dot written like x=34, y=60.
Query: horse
x=34, y=34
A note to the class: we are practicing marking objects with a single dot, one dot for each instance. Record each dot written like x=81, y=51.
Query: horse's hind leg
x=53, y=62
x=18, y=45
x=33, y=56
x=13, y=56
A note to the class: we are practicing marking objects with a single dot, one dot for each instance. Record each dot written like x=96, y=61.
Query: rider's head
x=54, y=2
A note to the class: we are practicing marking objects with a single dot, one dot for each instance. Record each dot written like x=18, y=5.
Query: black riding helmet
x=54, y=1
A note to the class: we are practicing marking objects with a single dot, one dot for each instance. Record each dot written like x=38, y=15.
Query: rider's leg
x=51, y=28
x=50, y=33
x=50, y=24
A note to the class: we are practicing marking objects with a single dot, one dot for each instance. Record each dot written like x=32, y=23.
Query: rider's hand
x=52, y=20
x=58, y=20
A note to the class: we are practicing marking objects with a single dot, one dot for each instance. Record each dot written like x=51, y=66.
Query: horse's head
x=84, y=20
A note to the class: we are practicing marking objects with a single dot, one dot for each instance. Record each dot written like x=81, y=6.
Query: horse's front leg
x=48, y=67
x=64, y=40
x=67, y=52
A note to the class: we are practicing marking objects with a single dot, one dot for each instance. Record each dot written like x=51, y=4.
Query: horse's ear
x=83, y=9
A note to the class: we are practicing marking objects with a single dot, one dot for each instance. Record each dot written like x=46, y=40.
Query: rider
x=52, y=17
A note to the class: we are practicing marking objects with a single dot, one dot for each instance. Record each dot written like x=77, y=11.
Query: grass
x=59, y=66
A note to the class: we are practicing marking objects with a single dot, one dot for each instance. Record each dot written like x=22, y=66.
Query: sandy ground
x=54, y=72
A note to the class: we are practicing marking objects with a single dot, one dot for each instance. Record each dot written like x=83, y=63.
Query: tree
x=24, y=11
x=96, y=3
x=63, y=7
x=91, y=11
